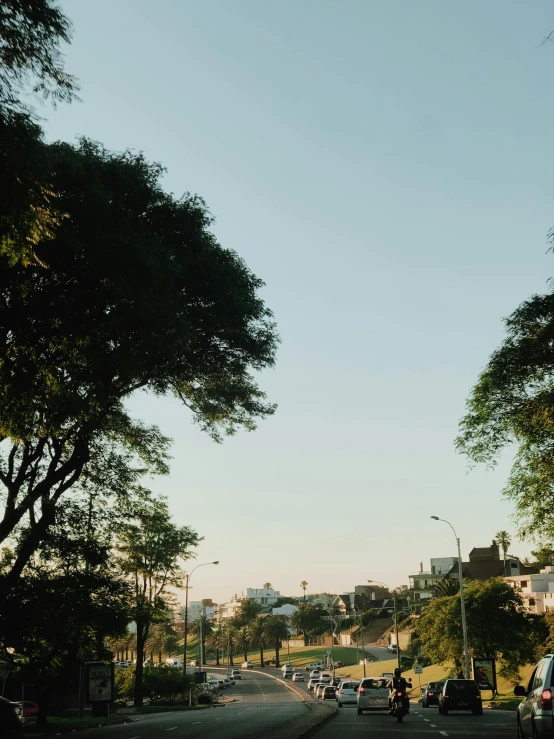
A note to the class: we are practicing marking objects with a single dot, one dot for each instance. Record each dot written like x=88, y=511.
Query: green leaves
x=513, y=403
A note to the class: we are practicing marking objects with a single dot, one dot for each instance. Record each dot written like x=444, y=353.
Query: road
x=420, y=724
x=262, y=704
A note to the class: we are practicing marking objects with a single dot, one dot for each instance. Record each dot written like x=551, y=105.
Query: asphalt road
x=420, y=724
x=261, y=704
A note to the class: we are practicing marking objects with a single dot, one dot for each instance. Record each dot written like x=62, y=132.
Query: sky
x=386, y=168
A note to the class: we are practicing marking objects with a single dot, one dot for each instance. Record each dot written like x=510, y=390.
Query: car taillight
x=361, y=691
x=430, y=694
x=341, y=691
x=399, y=695
x=546, y=700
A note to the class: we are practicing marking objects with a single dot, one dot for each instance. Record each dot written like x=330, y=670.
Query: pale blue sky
x=386, y=167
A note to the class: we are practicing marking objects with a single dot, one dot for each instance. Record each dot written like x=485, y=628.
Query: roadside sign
x=99, y=681
x=418, y=669
x=484, y=673
x=328, y=652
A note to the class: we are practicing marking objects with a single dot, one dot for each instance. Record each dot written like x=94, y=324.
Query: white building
x=537, y=591
x=229, y=609
x=287, y=610
x=264, y=596
x=197, y=609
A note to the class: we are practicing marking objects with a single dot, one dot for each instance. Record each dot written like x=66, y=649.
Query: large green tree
x=504, y=540
x=135, y=295
x=497, y=624
x=257, y=635
x=151, y=552
x=513, y=404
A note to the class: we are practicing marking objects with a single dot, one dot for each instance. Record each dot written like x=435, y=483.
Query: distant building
x=423, y=582
x=198, y=608
x=229, y=609
x=325, y=601
x=485, y=562
x=285, y=610
x=537, y=590
x=263, y=596
x=372, y=592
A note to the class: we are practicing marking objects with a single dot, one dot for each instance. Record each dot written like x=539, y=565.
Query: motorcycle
x=398, y=708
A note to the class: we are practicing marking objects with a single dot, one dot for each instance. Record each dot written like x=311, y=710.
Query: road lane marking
x=433, y=726
x=443, y=733
x=426, y=719
x=171, y=729
x=135, y=737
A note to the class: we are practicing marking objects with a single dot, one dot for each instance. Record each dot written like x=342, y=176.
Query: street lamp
x=361, y=635
x=379, y=582
x=462, y=602
x=187, y=580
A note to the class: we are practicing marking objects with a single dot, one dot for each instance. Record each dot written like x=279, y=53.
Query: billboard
x=99, y=682
x=484, y=673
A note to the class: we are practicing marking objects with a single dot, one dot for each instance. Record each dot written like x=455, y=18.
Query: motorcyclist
x=399, y=684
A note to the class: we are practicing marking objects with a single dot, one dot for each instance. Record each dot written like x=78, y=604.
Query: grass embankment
x=302, y=656
x=505, y=698
x=58, y=725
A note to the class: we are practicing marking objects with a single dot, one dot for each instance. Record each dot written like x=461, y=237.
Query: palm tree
x=267, y=585
x=249, y=609
x=304, y=585
x=276, y=631
x=257, y=634
x=217, y=641
x=243, y=641
x=504, y=540
x=303, y=618
x=231, y=629
x=205, y=626
x=445, y=587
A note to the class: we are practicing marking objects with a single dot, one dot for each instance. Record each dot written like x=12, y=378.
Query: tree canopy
x=513, y=403
x=135, y=295
x=497, y=624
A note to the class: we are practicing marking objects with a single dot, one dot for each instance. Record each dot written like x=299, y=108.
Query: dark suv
x=535, y=717
x=460, y=695
x=430, y=694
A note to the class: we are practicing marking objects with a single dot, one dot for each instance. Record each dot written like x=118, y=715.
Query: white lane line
x=443, y=733
x=171, y=729
x=135, y=737
x=433, y=726
x=426, y=719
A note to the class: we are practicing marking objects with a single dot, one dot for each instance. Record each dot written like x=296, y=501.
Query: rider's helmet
x=397, y=672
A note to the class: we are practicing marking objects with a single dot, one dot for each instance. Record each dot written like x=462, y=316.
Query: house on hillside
x=486, y=562
x=229, y=609
x=536, y=589
x=422, y=582
x=266, y=597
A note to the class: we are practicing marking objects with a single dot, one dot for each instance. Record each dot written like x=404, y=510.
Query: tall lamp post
x=378, y=582
x=187, y=581
x=361, y=636
x=462, y=601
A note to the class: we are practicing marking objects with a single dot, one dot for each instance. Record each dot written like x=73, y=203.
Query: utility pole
x=188, y=575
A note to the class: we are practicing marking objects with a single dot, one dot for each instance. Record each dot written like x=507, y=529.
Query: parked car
x=230, y=680
x=319, y=689
x=247, y=665
x=535, y=716
x=338, y=664
x=298, y=677
x=315, y=674
x=461, y=695
x=236, y=674
x=213, y=684
x=195, y=663
x=221, y=682
x=11, y=719
x=329, y=693
x=312, y=683
x=430, y=694
x=373, y=694
x=29, y=708
x=347, y=692
x=391, y=648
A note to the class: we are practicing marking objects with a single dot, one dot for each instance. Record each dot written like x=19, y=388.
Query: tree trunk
x=160, y=657
x=277, y=647
x=262, y=655
x=43, y=698
x=245, y=654
x=141, y=639
x=217, y=657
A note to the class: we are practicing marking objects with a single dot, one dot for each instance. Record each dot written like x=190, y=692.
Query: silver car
x=347, y=692
x=373, y=694
x=535, y=717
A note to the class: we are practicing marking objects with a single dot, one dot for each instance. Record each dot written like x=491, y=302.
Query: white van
x=287, y=671
x=174, y=661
